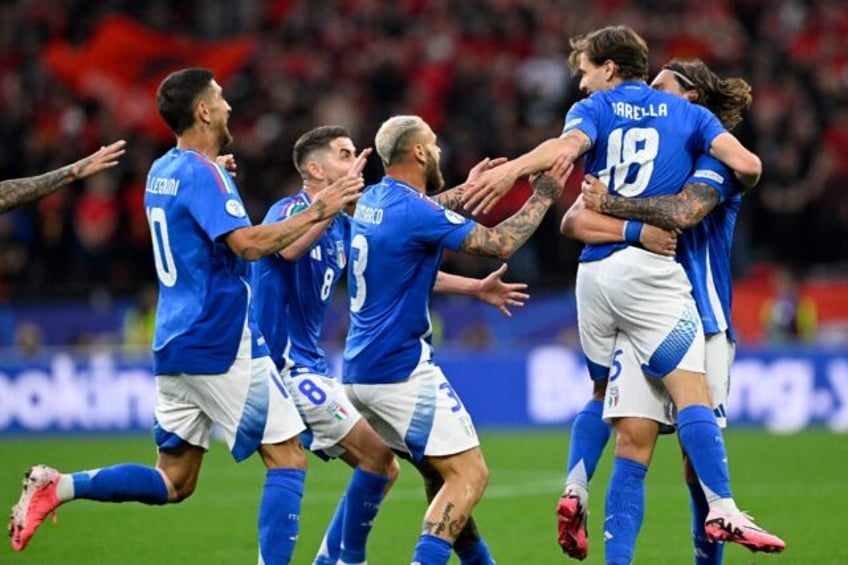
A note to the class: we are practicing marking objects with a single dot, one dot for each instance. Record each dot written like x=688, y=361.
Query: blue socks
x=279, y=514
x=477, y=554
x=431, y=550
x=332, y=542
x=706, y=552
x=362, y=501
x=589, y=436
x=121, y=483
x=625, y=509
x=703, y=442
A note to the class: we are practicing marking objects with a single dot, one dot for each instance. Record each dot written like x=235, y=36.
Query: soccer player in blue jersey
x=397, y=236
x=293, y=291
x=211, y=362
x=706, y=209
x=640, y=142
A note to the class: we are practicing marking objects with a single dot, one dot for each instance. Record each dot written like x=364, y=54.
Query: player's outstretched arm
x=491, y=290
x=16, y=192
x=595, y=228
x=485, y=191
x=453, y=199
x=254, y=242
x=503, y=240
x=673, y=212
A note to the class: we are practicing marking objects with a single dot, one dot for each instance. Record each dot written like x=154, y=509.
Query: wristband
x=632, y=231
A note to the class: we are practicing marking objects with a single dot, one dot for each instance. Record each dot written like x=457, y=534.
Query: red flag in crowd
x=123, y=63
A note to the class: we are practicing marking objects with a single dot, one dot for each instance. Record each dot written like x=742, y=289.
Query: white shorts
x=324, y=407
x=648, y=298
x=631, y=393
x=720, y=354
x=249, y=404
x=420, y=416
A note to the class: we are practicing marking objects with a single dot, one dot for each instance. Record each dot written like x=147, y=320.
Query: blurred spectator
x=28, y=339
x=488, y=74
x=789, y=317
x=140, y=319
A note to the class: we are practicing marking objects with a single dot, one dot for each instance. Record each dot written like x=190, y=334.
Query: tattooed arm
x=251, y=243
x=504, y=239
x=452, y=199
x=673, y=212
x=17, y=192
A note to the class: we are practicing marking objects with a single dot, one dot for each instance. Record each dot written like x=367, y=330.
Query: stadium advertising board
x=546, y=386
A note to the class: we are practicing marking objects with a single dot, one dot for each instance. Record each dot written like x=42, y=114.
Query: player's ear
x=609, y=70
x=315, y=170
x=692, y=96
x=201, y=112
x=419, y=153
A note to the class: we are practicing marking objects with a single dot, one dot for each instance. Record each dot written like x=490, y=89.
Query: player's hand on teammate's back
x=228, y=162
x=500, y=294
x=658, y=240
x=482, y=193
x=594, y=192
x=104, y=158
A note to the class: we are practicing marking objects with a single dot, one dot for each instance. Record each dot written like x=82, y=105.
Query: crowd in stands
x=489, y=75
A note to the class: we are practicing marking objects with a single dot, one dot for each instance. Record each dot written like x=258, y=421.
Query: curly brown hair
x=726, y=98
x=619, y=44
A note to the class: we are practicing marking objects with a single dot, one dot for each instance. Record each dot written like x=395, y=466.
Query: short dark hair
x=619, y=44
x=177, y=95
x=315, y=140
x=727, y=98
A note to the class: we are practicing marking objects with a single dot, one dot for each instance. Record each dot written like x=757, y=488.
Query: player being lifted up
x=397, y=238
x=706, y=208
x=211, y=362
x=641, y=143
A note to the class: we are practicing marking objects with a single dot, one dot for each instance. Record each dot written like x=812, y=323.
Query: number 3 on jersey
x=166, y=270
x=636, y=146
x=359, y=252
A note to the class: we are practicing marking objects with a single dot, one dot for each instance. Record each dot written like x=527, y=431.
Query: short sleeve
x=583, y=116
x=215, y=203
x=708, y=128
x=433, y=224
x=710, y=171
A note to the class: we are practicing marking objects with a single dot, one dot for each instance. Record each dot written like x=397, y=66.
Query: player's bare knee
x=393, y=472
x=477, y=478
x=288, y=454
x=635, y=438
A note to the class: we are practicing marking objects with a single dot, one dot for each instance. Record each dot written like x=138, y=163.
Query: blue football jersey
x=397, y=237
x=644, y=143
x=204, y=295
x=292, y=296
x=704, y=249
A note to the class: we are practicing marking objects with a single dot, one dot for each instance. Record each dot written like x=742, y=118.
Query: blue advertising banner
x=782, y=391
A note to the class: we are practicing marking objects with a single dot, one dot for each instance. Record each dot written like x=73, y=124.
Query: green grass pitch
x=794, y=485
